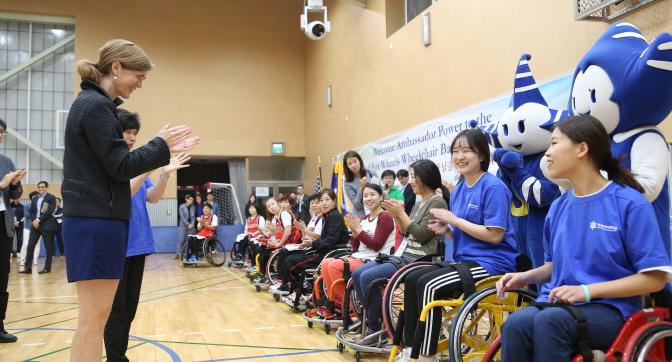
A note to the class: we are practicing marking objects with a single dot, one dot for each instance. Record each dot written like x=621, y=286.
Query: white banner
x=432, y=139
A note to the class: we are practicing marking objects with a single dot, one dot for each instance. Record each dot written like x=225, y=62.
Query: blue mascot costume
x=521, y=144
x=626, y=83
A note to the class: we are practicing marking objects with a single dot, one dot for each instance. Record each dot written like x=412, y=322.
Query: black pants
x=283, y=266
x=264, y=255
x=297, y=264
x=5, y=252
x=427, y=285
x=18, y=233
x=58, y=237
x=33, y=239
x=125, y=305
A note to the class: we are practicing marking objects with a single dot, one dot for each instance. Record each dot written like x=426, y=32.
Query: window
x=37, y=61
x=415, y=7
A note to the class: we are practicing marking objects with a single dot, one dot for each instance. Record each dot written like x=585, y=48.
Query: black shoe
x=26, y=271
x=6, y=337
x=44, y=271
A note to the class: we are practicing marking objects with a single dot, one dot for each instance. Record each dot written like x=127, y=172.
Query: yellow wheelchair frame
x=489, y=306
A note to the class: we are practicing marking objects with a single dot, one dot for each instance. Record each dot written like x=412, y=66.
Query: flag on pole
x=318, y=180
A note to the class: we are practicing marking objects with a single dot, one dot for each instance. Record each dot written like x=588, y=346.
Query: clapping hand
x=178, y=138
x=444, y=215
x=177, y=162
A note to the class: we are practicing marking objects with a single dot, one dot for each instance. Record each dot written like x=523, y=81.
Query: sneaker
x=404, y=355
x=260, y=281
x=289, y=300
x=274, y=288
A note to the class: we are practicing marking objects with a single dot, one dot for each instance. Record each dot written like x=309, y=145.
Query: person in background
x=211, y=200
x=407, y=190
x=356, y=178
x=27, y=226
x=302, y=206
x=43, y=225
x=251, y=201
x=390, y=191
x=198, y=203
x=187, y=224
x=58, y=234
x=18, y=226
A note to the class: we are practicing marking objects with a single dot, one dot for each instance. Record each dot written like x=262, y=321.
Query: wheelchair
x=324, y=311
x=645, y=336
x=469, y=324
x=354, y=323
x=208, y=251
x=237, y=257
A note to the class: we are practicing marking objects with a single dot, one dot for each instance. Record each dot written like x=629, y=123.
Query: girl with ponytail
x=602, y=243
x=484, y=242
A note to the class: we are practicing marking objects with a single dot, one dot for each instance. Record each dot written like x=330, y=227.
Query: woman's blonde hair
x=127, y=53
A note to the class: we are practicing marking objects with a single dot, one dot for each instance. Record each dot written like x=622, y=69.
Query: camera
x=315, y=30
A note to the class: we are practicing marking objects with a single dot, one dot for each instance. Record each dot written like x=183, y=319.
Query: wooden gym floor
x=192, y=314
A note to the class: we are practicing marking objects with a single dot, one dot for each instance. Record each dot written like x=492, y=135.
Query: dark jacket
x=97, y=164
x=409, y=198
x=334, y=233
x=47, y=220
x=11, y=192
x=302, y=210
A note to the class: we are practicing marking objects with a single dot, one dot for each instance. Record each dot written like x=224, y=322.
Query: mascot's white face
x=591, y=94
x=519, y=130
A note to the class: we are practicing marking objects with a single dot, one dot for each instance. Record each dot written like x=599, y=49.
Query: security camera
x=315, y=30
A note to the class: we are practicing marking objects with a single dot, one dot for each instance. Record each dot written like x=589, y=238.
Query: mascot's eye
x=592, y=96
x=521, y=126
x=574, y=102
x=506, y=130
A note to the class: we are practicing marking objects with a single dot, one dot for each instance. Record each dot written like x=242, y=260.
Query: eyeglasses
x=3, y=131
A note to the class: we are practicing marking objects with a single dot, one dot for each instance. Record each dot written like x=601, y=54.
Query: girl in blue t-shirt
x=603, y=249
x=484, y=238
x=140, y=243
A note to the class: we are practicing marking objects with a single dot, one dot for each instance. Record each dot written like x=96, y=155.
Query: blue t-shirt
x=602, y=237
x=140, y=237
x=485, y=203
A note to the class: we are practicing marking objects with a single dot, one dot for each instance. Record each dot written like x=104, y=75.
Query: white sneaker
x=404, y=355
x=289, y=300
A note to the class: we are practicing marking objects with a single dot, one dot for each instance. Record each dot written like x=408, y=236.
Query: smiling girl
x=603, y=251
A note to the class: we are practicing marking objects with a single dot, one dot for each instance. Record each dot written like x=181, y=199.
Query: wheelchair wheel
x=476, y=323
x=214, y=252
x=355, y=302
x=272, y=267
x=393, y=296
x=651, y=343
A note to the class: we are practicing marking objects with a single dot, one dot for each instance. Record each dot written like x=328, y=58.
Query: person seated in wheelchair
x=252, y=232
x=419, y=240
x=483, y=237
x=372, y=235
x=279, y=231
x=603, y=251
x=334, y=233
x=207, y=229
x=312, y=231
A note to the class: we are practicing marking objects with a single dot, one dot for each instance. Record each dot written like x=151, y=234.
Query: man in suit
x=302, y=205
x=407, y=189
x=42, y=209
x=187, y=223
x=10, y=187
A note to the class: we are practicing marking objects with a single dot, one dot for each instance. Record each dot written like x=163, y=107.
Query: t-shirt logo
x=472, y=206
x=596, y=225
